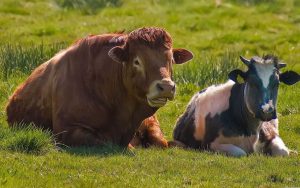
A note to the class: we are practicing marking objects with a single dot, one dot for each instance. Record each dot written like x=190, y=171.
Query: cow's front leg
x=228, y=149
x=278, y=148
x=269, y=141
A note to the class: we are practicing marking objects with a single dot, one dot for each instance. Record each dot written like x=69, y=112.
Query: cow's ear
x=118, y=54
x=289, y=77
x=233, y=75
x=182, y=55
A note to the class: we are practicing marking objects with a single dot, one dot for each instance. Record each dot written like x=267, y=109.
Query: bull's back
x=31, y=102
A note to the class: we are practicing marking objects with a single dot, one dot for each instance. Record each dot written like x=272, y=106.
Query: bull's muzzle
x=166, y=88
x=160, y=92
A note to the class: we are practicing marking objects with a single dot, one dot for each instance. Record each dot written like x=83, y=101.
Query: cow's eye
x=254, y=85
x=136, y=62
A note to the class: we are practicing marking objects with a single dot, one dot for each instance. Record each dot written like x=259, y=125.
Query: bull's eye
x=136, y=62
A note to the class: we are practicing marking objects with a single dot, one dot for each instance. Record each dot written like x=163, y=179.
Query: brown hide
x=149, y=134
x=86, y=97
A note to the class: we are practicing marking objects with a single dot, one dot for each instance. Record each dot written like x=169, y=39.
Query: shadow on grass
x=101, y=151
x=31, y=140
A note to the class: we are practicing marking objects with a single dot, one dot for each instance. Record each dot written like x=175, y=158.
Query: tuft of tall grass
x=88, y=6
x=254, y=2
x=275, y=6
x=207, y=70
x=26, y=139
x=16, y=57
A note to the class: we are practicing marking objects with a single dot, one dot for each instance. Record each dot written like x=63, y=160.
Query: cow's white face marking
x=264, y=72
x=267, y=106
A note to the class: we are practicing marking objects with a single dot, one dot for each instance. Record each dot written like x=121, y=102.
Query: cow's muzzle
x=267, y=111
x=160, y=92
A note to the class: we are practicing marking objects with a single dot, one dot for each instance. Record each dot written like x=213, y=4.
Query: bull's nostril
x=173, y=88
x=159, y=87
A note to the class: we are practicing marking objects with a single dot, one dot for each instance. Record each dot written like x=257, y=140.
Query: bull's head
x=147, y=58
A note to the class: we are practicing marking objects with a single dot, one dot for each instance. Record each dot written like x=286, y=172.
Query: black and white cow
x=237, y=118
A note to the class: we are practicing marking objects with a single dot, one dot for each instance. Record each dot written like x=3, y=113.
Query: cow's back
x=200, y=123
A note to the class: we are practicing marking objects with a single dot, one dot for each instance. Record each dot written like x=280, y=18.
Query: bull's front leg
x=149, y=134
x=76, y=134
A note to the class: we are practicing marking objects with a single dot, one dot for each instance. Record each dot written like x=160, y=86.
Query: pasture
x=32, y=31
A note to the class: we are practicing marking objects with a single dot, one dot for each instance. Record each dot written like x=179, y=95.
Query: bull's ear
x=182, y=55
x=233, y=75
x=118, y=54
x=289, y=77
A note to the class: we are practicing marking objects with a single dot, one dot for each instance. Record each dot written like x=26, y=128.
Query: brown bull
x=101, y=88
x=149, y=134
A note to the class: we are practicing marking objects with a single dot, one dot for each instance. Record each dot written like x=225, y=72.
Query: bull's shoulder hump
x=107, y=39
x=92, y=43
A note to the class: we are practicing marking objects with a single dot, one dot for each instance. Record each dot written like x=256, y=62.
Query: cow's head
x=147, y=57
x=261, y=84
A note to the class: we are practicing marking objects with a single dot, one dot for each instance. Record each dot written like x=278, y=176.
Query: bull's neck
x=115, y=90
x=106, y=85
x=242, y=115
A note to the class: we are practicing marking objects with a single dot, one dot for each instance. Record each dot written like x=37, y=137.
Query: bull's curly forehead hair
x=152, y=37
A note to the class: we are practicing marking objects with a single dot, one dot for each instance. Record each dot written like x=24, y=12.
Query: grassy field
x=31, y=31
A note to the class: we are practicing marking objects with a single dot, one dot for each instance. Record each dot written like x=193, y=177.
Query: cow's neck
x=241, y=113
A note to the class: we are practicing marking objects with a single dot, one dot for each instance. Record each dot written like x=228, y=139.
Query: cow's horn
x=281, y=65
x=244, y=60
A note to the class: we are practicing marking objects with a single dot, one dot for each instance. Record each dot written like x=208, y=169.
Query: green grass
x=32, y=31
x=27, y=139
x=16, y=58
